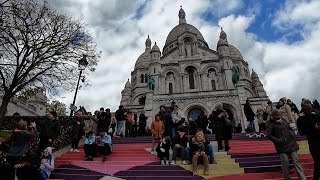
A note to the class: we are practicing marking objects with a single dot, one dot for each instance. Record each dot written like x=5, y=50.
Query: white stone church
x=193, y=75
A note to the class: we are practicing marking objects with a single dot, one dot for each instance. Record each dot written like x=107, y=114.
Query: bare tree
x=40, y=47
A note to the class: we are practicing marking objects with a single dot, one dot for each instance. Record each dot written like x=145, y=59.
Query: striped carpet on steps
x=251, y=158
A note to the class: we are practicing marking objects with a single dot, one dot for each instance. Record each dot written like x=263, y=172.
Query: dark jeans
x=90, y=150
x=314, y=147
x=142, y=131
x=43, y=144
x=104, y=150
x=226, y=145
x=128, y=131
x=262, y=127
x=74, y=143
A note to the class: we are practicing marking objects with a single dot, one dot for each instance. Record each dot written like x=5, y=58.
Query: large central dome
x=180, y=29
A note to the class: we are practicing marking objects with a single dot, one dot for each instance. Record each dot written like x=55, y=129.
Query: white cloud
x=285, y=69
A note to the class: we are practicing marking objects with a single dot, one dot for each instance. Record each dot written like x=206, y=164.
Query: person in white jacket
x=47, y=163
x=177, y=116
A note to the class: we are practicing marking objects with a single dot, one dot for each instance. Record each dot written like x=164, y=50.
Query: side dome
x=235, y=53
x=155, y=48
x=143, y=60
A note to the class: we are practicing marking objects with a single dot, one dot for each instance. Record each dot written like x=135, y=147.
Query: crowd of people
x=172, y=132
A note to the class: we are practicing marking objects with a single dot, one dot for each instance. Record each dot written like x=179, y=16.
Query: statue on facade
x=150, y=82
x=235, y=75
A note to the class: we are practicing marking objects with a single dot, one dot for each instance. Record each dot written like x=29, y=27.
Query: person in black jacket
x=49, y=132
x=77, y=131
x=142, y=124
x=308, y=124
x=180, y=143
x=163, y=150
x=120, y=119
x=249, y=113
x=283, y=138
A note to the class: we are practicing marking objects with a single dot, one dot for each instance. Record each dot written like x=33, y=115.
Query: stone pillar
x=148, y=107
x=242, y=98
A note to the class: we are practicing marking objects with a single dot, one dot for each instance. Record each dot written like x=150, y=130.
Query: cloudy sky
x=279, y=39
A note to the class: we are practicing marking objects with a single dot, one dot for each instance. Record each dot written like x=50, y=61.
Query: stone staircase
x=251, y=158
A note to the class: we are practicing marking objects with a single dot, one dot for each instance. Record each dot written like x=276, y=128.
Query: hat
x=49, y=150
x=54, y=114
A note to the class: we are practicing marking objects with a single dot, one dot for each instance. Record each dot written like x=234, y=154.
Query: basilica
x=193, y=75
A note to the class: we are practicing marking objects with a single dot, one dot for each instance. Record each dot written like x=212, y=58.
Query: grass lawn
x=4, y=134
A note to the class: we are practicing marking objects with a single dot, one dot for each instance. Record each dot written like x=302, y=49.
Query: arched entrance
x=194, y=112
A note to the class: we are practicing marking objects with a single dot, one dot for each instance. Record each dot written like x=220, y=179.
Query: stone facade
x=193, y=75
x=35, y=106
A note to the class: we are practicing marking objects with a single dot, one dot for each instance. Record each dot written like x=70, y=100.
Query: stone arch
x=236, y=111
x=249, y=92
x=135, y=99
x=168, y=69
x=193, y=105
x=191, y=65
x=206, y=68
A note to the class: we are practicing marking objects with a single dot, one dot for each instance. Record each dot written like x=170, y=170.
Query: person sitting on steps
x=163, y=150
x=197, y=149
x=180, y=143
x=104, y=144
x=90, y=146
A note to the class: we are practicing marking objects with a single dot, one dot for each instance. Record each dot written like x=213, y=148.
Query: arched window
x=154, y=70
x=170, y=88
x=213, y=84
x=145, y=78
x=190, y=72
x=142, y=78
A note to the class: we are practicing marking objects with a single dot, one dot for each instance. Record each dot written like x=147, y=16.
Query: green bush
x=4, y=134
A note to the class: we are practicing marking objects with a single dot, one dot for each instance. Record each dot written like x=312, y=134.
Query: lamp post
x=83, y=63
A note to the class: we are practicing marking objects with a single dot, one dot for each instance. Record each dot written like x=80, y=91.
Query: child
x=104, y=144
x=197, y=148
x=47, y=163
x=163, y=150
x=90, y=146
x=180, y=143
x=157, y=129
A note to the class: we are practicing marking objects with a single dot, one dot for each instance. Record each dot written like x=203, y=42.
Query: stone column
x=149, y=106
x=242, y=98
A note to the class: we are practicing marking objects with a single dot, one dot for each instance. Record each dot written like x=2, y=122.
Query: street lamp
x=83, y=63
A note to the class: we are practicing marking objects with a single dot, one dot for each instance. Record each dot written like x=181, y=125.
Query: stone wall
x=64, y=138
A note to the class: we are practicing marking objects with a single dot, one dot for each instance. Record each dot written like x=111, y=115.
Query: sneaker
x=173, y=162
x=206, y=172
x=76, y=150
x=162, y=162
x=104, y=159
x=184, y=162
x=71, y=150
x=213, y=162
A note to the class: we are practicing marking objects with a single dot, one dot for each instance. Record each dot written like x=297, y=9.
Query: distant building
x=34, y=106
x=192, y=74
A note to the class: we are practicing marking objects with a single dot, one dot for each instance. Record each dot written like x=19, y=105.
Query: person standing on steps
x=157, y=130
x=283, y=138
x=308, y=124
x=222, y=127
x=142, y=124
x=77, y=131
x=49, y=132
x=249, y=113
x=120, y=120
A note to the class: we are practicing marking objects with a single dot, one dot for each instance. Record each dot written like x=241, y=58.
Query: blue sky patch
x=264, y=12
